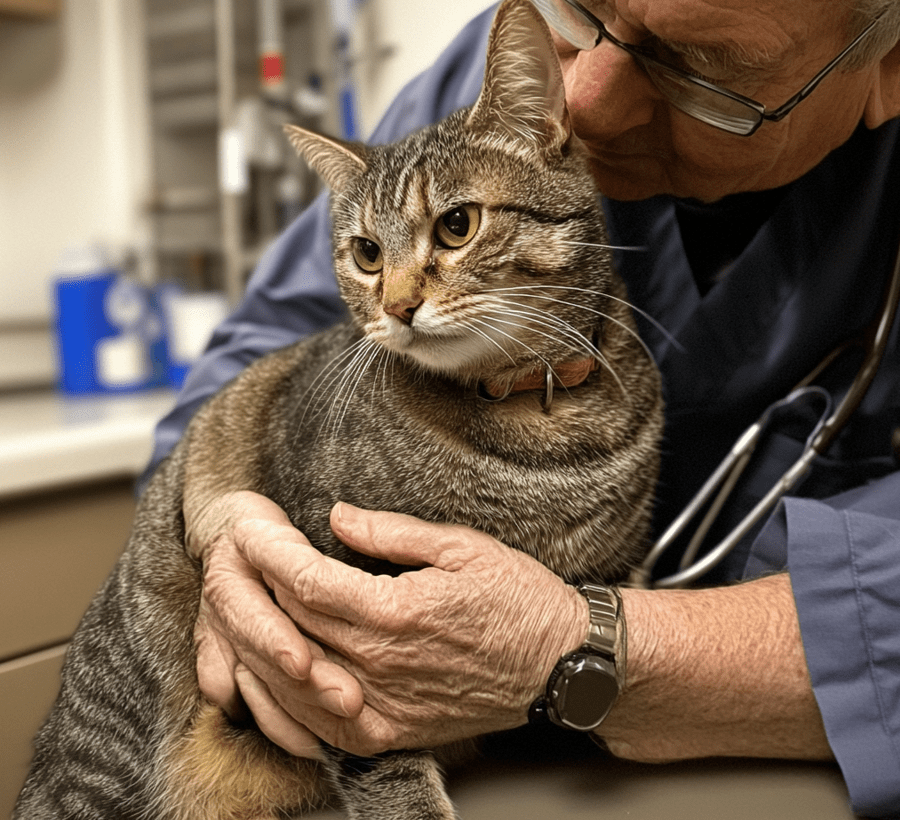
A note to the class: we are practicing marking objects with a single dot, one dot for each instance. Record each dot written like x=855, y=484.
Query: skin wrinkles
x=726, y=36
x=641, y=146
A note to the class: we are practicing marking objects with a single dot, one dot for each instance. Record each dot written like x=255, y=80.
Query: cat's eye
x=457, y=227
x=367, y=254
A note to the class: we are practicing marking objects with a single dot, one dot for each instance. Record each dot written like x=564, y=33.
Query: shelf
x=182, y=199
x=182, y=22
x=184, y=76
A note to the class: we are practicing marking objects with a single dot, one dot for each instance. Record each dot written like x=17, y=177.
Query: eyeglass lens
x=708, y=105
x=568, y=23
x=702, y=103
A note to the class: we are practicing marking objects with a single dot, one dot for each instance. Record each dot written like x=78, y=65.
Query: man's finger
x=273, y=721
x=404, y=539
x=215, y=665
x=338, y=691
x=248, y=617
x=290, y=563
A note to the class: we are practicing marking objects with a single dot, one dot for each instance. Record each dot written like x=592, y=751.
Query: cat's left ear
x=523, y=95
x=336, y=161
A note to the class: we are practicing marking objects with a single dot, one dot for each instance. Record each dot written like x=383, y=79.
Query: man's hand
x=244, y=639
x=455, y=649
x=463, y=645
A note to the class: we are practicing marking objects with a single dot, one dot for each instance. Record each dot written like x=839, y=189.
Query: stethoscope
x=873, y=341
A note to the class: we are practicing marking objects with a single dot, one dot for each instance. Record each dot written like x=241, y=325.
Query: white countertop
x=49, y=440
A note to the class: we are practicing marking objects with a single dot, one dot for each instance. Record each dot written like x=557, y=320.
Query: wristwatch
x=584, y=684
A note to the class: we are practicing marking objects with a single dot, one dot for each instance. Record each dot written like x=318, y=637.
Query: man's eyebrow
x=729, y=55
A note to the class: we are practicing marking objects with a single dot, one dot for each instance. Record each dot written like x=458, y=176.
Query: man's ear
x=884, y=96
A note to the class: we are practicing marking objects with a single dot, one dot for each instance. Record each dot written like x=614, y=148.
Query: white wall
x=73, y=157
x=415, y=31
x=74, y=161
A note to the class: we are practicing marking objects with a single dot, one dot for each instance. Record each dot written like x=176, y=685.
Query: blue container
x=108, y=331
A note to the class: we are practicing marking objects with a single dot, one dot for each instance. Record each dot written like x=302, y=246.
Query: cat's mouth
x=449, y=352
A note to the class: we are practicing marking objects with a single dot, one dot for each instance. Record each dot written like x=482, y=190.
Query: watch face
x=585, y=692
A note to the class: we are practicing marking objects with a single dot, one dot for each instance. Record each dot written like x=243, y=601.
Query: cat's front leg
x=392, y=786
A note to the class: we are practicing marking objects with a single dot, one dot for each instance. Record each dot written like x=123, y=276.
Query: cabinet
x=55, y=550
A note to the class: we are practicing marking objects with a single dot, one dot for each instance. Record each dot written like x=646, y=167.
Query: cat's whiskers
x=388, y=363
x=335, y=379
x=350, y=380
x=377, y=364
x=639, y=248
x=467, y=324
x=338, y=387
x=347, y=389
x=332, y=373
x=583, y=345
x=550, y=321
x=605, y=316
x=486, y=323
x=524, y=291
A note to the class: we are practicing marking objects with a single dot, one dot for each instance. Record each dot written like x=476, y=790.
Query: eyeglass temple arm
x=783, y=110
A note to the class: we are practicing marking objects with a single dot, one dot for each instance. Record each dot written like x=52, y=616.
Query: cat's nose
x=402, y=291
x=403, y=309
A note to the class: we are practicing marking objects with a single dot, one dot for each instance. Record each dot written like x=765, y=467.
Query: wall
x=74, y=161
x=398, y=39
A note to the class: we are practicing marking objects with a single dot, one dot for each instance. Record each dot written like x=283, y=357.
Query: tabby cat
x=490, y=376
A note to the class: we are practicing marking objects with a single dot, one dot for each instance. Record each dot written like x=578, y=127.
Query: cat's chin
x=456, y=357
x=441, y=362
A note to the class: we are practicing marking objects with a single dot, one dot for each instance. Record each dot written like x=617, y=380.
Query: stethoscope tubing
x=724, y=478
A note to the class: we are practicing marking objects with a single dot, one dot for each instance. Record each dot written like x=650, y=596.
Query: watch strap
x=606, y=638
x=606, y=634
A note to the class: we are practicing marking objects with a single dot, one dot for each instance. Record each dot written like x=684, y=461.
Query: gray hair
x=880, y=41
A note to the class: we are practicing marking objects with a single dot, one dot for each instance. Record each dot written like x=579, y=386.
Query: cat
x=490, y=375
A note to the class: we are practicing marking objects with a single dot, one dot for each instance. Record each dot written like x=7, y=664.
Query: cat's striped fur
x=383, y=411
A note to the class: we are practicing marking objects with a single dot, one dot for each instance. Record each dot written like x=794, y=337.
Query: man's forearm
x=716, y=672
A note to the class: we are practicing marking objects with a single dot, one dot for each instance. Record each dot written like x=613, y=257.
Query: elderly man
x=750, y=146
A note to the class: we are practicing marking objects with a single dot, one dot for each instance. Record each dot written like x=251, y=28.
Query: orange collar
x=567, y=374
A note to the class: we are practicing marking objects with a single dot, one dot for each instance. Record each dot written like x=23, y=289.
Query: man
x=763, y=254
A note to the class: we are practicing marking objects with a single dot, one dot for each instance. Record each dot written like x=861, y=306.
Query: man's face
x=767, y=50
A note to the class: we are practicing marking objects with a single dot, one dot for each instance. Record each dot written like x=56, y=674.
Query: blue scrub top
x=810, y=278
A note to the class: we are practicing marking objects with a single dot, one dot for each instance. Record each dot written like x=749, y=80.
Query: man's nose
x=607, y=93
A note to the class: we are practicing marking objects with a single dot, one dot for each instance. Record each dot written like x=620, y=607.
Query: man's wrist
x=584, y=684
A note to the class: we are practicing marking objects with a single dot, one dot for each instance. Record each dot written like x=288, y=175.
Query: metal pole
x=232, y=246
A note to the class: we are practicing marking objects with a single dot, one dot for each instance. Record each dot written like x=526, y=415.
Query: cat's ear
x=336, y=161
x=523, y=95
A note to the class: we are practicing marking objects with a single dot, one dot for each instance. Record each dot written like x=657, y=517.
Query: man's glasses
x=696, y=97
